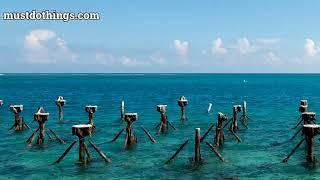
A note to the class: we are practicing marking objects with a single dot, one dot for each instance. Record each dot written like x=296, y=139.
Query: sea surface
x=272, y=105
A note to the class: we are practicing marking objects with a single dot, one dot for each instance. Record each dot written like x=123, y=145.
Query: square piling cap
x=85, y=129
x=237, y=108
x=304, y=102
x=41, y=115
x=311, y=126
x=309, y=113
x=19, y=108
x=92, y=108
x=182, y=102
x=60, y=101
x=132, y=116
x=161, y=107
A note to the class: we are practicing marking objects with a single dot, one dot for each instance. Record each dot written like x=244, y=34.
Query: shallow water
x=272, y=101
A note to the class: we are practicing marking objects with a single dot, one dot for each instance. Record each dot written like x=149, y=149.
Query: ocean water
x=272, y=102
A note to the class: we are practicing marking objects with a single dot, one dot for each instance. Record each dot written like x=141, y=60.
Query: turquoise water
x=272, y=101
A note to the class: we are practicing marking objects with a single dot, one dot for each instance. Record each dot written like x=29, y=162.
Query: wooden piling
x=41, y=117
x=219, y=137
x=60, y=102
x=197, y=153
x=163, y=118
x=209, y=108
x=130, y=118
x=122, y=111
x=82, y=130
x=19, y=124
x=234, y=123
x=91, y=110
x=309, y=131
x=183, y=102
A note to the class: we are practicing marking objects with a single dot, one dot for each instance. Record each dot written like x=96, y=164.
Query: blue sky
x=165, y=36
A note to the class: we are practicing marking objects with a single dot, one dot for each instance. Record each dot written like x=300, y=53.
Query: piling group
x=308, y=130
x=85, y=130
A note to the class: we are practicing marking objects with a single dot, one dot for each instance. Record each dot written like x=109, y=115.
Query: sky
x=181, y=36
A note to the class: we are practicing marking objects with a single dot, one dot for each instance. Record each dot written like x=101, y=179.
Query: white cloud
x=44, y=47
x=157, y=58
x=245, y=47
x=217, y=47
x=310, y=47
x=104, y=58
x=181, y=47
x=129, y=62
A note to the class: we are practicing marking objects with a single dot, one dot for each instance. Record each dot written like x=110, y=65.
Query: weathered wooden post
x=91, y=110
x=122, y=111
x=183, y=102
x=130, y=118
x=219, y=138
x=234, y=124
x=41, y=117
x=19, y=123
x=310, y=132
x=83, y=130
x=209, y=108
x=197, y=153
x=163, y=118
x=60, y=102
x=244, y=115
x=131, y=139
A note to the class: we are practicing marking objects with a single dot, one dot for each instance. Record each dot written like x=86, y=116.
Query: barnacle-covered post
x=197, y=153
x=130, y=118
x=60, y=102
x=41, y=117
x=310, y=132
x=82, y=130
x=219, y=138
x=91, y=110
x=163, y=118
x=19, y=123
x=122, y=111
x=234, y=123
x=183, y=102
